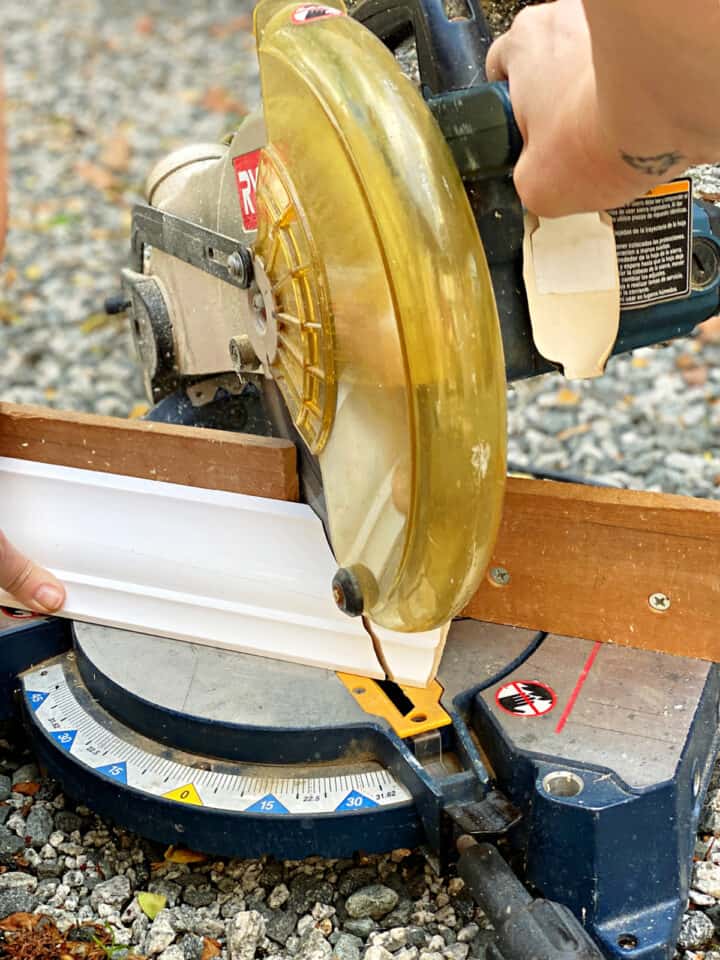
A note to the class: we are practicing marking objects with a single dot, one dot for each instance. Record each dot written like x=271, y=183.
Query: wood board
x=195, y=457
x=584, y=561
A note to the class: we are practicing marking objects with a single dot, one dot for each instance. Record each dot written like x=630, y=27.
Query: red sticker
x=246, y=174
x=526, y=698
x=12, y=613
x=310, y=12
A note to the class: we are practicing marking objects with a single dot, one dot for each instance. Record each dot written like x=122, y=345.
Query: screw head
x=659, y=602
x=500, y=576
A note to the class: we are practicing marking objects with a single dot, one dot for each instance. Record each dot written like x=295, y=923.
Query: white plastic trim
x=206, y=566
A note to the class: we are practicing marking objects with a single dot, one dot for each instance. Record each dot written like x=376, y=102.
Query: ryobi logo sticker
x=309, y=12
x=246, y=174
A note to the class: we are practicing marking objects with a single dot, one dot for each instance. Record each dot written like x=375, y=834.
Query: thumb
x=28, y=583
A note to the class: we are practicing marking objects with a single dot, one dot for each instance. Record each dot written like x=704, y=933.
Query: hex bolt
x=660, y=602
x=500, y=576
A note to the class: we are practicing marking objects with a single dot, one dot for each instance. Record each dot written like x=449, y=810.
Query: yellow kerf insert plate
x=389, y=351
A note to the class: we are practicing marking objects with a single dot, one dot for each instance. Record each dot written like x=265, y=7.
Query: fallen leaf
x=230, y=27
x=26, y=789
x=33, y=272
x=709, y=331
x=96, y=176
x=573, y=431
x=211, y=948
x=710, y=197
x=567, y=398
x=138, y=411
x=639, y=362
x=183, y=855
x=10, y=277
x=145, y=25
x=20, y=921
x=696, y=376
x=220, y=100
x=94, y=322
x=151, y=903
x=116, y=152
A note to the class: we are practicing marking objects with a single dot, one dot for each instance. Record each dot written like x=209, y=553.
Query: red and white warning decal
x=526, y=698
x=309, y=12
x=246, y=174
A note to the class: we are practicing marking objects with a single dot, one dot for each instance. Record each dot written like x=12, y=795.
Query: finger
x=28, y=583
x=496, y=65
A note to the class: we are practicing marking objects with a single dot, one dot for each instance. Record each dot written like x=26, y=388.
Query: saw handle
x=451, y=51
x=479, y=126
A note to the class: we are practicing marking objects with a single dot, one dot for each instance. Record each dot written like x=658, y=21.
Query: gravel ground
x=98, y=91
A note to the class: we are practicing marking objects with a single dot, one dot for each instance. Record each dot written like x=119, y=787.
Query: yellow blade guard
x=388, y=347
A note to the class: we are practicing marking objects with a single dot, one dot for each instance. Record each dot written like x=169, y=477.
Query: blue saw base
x=600, y=748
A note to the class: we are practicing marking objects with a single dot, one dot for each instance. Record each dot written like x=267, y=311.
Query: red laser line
x=578, y=687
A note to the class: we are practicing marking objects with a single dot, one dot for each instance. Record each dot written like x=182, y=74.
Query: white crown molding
x=232, y=571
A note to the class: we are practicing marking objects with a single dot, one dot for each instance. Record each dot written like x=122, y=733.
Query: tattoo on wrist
x=653, y=166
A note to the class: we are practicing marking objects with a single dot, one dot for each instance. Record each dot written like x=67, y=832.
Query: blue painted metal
x=25, y=641
x=599, y=852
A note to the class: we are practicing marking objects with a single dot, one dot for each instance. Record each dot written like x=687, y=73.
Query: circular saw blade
x=377, y=315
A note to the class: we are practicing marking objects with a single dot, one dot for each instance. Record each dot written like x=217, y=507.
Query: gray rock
x=39, y=825
x=313, y=946
x=28, y=773
x=192, y=946
x=173, y=952
x=16, y=900
x=695, y=931
x=10, y=843
x=160, y=935
x=393, y=940
x=244, y=932
x=18, y=880
x=305, y=891
x=5, y=812
x=361, y=927
x=67, y=821
x=182, y=918
x=279, y=924
x=374, y=901
x=347, y=947
x=5, y=787
x=706, y=878
x=114, y=892
x=166, y=888
x=377, y=953
x=355, y=878
x=199, y=896
x=278, y=897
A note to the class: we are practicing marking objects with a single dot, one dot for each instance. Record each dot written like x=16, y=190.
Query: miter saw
x=323, y=275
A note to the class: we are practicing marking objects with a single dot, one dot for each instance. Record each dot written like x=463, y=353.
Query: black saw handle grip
x=451, y=51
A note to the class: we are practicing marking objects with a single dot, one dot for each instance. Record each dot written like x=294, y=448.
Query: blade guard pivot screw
x=239, y=265
x=659, y=602
x=347, y=592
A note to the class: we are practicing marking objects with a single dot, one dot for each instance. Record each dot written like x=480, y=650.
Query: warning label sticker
x=653, y=235
x=310, y=12
x=526, y=698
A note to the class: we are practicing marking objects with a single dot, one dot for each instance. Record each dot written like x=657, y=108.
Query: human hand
x=570, y=162
x=28, y=583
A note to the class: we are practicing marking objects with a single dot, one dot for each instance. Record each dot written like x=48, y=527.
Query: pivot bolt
x=239, y=265
x=659, y=602
x=500, y=576
x=347, y=592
